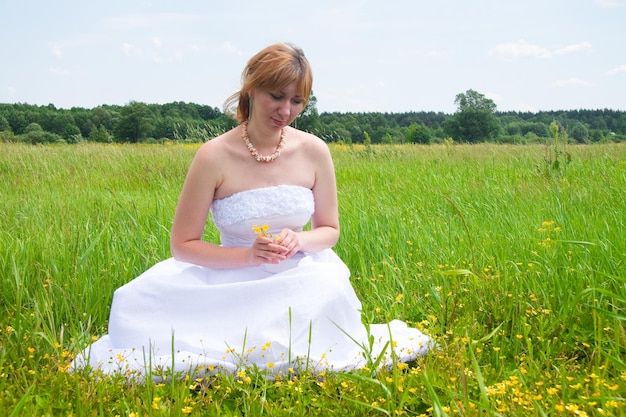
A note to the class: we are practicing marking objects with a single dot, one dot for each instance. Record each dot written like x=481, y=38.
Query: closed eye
x=279, y=96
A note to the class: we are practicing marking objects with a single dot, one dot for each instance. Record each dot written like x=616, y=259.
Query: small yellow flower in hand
x=264, y=231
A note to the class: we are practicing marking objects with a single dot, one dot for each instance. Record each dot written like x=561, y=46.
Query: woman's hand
x=267, y=251
x=290, y=241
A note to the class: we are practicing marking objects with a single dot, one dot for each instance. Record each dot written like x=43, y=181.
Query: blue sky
x=387, y=56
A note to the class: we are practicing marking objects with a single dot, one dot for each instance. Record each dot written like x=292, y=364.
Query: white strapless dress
x=302, y=313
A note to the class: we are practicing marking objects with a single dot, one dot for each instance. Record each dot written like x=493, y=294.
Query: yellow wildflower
x=402, y=365
x=155, y=403
x=263, y=231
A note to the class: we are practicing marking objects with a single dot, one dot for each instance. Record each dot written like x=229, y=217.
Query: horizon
x=320, y=112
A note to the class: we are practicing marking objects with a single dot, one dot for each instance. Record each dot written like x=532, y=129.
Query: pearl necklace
x=254, y=152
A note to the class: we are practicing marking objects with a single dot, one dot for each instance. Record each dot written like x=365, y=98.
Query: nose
x=285, y=108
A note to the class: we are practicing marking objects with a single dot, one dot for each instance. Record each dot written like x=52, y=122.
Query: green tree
x=4, y=124
x=72, y=134
x=367, y=141
x=539, y=129
x=6, y=136
x=418, y=133
x=135, y=123
x=579, y=132
x=100, y=134
x=309, y=119
x=475, y=119
x=357, y=135
x=103, y=117
x=83, y=119
x=57, y=121
x=17, y=120
x=35, y=134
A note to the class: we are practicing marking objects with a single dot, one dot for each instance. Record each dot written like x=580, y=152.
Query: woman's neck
x=263, y=139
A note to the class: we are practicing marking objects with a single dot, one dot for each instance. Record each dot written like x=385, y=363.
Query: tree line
x=475, y=120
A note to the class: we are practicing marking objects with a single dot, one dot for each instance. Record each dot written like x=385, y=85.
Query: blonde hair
x=272, y=69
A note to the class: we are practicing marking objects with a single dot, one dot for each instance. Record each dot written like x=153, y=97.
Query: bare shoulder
x=311, y=143
x=214, y=150
x=210, y=163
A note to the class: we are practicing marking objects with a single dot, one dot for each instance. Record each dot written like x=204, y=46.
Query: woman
x=271, y=295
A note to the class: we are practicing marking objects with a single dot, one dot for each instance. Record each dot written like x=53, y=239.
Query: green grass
x=518, y=273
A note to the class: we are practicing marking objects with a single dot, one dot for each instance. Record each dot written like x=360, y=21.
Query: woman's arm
x=324, y=232
x=195, y=200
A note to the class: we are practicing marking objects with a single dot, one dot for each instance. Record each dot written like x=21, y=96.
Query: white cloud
x=131, y=50
x=79, y=43
x=176, y=57
x=611, y=3
x=520, y=49
x=230, y=48
x=617, y=70
x=579, y=47
x=56, y=50
x=59, y=72
x=523, y=49
x=572, y=81
x=157, y=42
x=437, y=53
x=145, y=21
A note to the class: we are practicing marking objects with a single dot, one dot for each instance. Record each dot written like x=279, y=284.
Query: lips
x=279, y=123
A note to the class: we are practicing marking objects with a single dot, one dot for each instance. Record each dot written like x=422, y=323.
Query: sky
x=367, y=56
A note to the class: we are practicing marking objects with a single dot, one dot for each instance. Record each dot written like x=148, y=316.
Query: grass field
x=517, y=270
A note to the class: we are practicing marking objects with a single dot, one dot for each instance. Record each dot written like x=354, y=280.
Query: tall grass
x=519, y=276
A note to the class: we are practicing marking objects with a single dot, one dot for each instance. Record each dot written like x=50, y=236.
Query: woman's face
x=277, y=108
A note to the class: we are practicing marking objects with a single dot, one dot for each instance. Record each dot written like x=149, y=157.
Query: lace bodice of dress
x=281, y=206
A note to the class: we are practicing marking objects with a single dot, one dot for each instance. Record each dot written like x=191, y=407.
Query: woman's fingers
x=289, y=240
x=268, y=251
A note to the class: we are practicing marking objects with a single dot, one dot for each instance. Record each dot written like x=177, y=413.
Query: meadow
x=516, y=267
